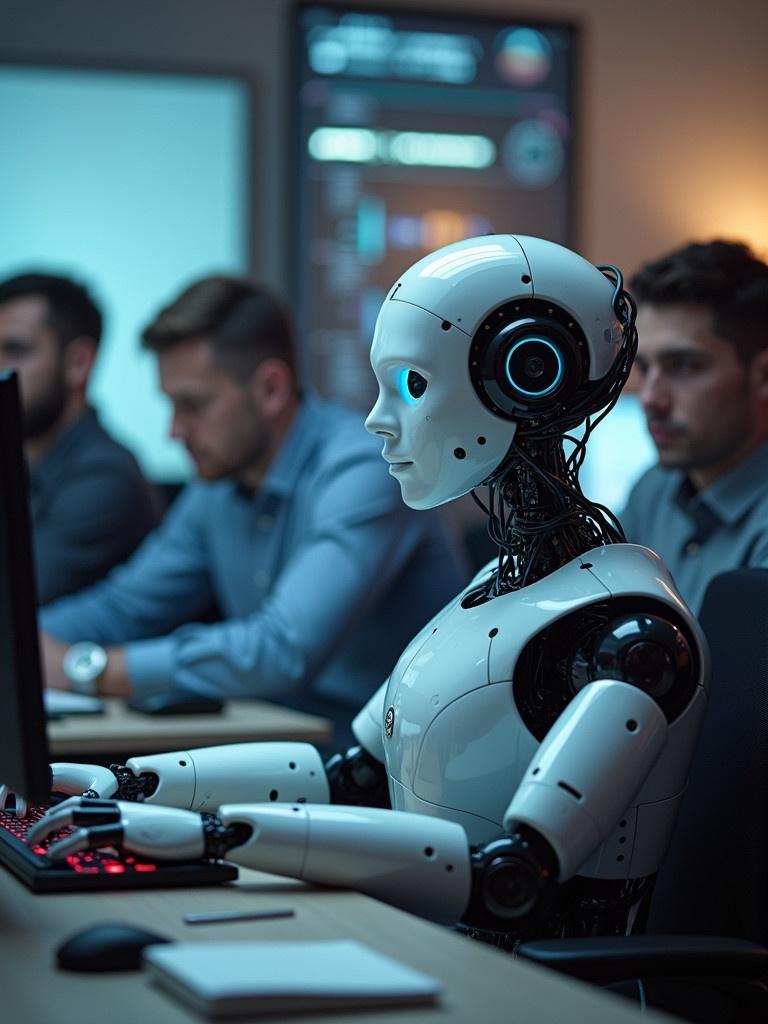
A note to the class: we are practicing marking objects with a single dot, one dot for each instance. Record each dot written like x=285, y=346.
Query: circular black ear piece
x=534, y=366
x=527, y=358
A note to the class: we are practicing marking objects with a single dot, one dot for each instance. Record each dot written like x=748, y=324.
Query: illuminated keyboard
x=95, y=869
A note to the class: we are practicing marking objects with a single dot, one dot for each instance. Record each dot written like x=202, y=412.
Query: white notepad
x=224, y=979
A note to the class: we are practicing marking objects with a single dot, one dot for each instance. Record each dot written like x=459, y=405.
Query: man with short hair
x=294, y=528
x=90, y=505
x=703, y=364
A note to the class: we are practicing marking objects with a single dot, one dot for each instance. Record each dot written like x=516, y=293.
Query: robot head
x=484, y=339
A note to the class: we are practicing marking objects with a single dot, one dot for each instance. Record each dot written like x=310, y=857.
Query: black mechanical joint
x=219, y=838
x=513, y=877
x=134, y=788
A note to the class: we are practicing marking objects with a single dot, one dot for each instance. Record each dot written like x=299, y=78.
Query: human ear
x=273, y=386
x=77, y=359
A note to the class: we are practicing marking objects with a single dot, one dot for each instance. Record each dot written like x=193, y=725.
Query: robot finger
x=80, y=813
x=71, y=801
x=12, y=803
x=77, y=779
x=86, y=839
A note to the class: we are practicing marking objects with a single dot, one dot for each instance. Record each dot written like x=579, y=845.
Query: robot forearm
x=415, y=862
x=418, y=863
x=421, y=864
x=588, y=770
x=202, y=779
x=249, y=772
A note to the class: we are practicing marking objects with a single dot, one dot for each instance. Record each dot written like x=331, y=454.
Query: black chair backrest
x=715, y=877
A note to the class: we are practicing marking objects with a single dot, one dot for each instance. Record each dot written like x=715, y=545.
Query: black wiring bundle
x=538, y=516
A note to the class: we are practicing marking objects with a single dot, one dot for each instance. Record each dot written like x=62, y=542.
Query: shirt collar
x=299, y=443
x=733, y=494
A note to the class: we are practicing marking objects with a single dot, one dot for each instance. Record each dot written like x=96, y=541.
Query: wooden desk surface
x=481, y=984
x=122, y=730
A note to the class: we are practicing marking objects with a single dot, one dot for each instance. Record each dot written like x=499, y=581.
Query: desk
x=122, y=731
x=481, y=984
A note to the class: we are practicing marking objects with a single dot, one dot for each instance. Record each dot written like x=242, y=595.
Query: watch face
x=83, y=663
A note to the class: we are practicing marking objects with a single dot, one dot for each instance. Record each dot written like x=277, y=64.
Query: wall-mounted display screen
x=133, y=183
x=416, y=130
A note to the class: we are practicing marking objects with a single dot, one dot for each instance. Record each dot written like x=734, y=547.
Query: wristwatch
x=83, y=664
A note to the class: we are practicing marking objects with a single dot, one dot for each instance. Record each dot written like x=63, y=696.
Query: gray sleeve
x=164, y=584
x=635, y=512
x=90, y=525
x=352, y=550
x=757, y=557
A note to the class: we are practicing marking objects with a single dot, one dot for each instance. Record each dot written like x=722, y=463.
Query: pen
x=222, y=916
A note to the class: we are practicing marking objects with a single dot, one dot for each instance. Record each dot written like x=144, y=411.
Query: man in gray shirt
x=703, y=364
x=294, y=528
x=90, y=505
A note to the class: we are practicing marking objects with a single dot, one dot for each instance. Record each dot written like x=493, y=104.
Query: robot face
x=439, y=439
x=476, y=338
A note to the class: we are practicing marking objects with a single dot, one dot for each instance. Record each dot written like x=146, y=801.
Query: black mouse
x=177, y=704
x=112, y=946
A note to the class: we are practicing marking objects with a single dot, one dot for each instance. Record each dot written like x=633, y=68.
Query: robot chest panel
x=453, y=736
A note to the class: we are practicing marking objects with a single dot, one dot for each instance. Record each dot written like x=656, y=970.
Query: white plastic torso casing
x=456, y=747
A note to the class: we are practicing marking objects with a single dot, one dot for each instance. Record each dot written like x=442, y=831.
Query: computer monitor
x=23, y=741
x=415, y=128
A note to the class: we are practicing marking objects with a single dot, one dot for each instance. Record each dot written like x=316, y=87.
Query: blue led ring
x=402, y=385
x=560, y=368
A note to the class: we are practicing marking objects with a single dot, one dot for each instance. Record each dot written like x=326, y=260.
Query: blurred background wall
x=673, y=93
x=671, y=99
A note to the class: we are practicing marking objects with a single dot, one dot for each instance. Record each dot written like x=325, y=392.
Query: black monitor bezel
x=24, y=752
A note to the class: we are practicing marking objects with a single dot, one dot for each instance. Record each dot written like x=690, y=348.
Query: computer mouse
x=177, y=704
x=111, y=946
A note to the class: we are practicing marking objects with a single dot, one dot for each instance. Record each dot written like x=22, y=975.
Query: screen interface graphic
x=416, y=131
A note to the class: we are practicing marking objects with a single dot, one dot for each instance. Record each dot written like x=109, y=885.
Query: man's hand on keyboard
x=163, y=833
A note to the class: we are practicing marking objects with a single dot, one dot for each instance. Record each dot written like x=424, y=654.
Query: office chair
x=714, y=881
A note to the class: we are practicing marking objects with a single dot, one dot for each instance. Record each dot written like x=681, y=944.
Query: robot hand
x=163, y=833
x=91, y=780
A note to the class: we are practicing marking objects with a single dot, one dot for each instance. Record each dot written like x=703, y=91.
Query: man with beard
x=90, y=505
x=703, y=366
x=293, y=528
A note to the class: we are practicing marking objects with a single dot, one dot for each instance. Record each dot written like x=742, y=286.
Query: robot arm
x=568, y=802
x=584, y=776
x=202, y=779
x=590, y=766
x=418, y=863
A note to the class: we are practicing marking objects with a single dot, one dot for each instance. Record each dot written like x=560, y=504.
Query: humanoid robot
x=520, y=770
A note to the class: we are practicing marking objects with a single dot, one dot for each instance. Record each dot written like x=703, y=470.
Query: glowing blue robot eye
x=411, y=385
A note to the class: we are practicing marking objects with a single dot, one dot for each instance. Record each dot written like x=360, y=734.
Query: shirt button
x=264, y=523
x=692, y=548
